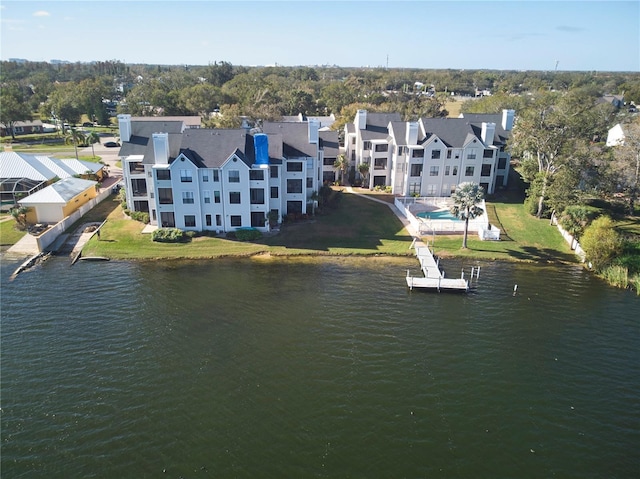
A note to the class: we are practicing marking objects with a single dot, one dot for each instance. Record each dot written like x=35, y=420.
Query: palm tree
x=466, y=199
x=341, y=164
x=363, y=168
x=20, y=215
x=76, y=137
x=92, y=138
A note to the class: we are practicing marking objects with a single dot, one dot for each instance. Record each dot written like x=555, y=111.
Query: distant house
x=325, y=122
x=615, y=136
x=616, y=100
x=187, y=121
x=22, y=128
x=57, y=201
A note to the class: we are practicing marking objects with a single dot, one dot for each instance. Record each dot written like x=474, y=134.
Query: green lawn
x=523, y=238
x=357, y=227
x=9, y=235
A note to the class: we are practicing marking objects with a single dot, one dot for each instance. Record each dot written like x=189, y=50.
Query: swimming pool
x=437, y=215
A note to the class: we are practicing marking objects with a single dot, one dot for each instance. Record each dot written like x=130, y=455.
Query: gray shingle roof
x=212, y=147
x=329, y=143
x=140, y=142
x=295, y=138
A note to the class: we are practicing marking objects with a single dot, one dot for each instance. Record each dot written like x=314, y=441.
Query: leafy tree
x=13, y=108
x=219, y=73
x=626, y=167
x=342, y=165
x=601, y=242
x=66, y=104
x=466, y=199
x=201, y=99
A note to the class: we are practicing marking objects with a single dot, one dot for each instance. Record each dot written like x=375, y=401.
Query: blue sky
x=508, y=34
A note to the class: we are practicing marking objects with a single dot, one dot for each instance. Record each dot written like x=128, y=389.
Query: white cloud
x=41, y=13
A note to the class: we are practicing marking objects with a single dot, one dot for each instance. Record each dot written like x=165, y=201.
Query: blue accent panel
x=261, y=143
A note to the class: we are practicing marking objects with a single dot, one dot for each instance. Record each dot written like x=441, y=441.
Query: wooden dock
x=433, y=278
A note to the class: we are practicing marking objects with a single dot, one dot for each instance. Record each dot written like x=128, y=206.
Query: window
x=187, y=197
x=502, y=163
x=400, y=150
x=236, y=220
x=165, y=196
x=216, y=196
x=273, y=171
x=328, y=161
x=416, y=170
x=294, y=186
x=294, y=166
x=185, y=176
x=435, y=154
x=294, y=207
x=189, y=221
x=447, y=170
x=274, y=192
x=366, y=145
x=216, y=175
x=218, y=220
x=207, y=196
x=471, y=155
x=434, y=170
x=486, y=170
x=234, y=176
x=256, y=196
x=455, y=171
x=487, y=154
x=353, y=140
x=417, y=154
x=234, y=197
x=258, y=219
x=309, y=182
x=414, y=189
x=380, y=164
x=431, y=190
x=205, y=177
x=207, y=220
x=453, y=189
x=380, y=148
x=256, y=175
x=449, y=152
x=163, y=175
x=469, y=171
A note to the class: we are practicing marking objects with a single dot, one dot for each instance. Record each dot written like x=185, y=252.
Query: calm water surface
x=315, y=369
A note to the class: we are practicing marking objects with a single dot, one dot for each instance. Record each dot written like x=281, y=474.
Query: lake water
x=274, y=369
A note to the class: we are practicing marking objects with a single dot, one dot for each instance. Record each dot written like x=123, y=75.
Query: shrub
x=601, y=242
x=168, y=235
x=140, y=216
x=248, y=234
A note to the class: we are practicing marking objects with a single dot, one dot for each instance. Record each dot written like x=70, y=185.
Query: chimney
x=161, y=148
x=361, y=120
x=124, y=124
x=488, y=132
x=314, y=126
x=412, y=133
x=507, y=119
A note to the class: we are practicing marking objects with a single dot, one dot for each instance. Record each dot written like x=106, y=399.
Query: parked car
x=111, y=144
x=87, y=123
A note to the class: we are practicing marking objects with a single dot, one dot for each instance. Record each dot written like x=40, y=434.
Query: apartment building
x=431, y=156
x=220, y=180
